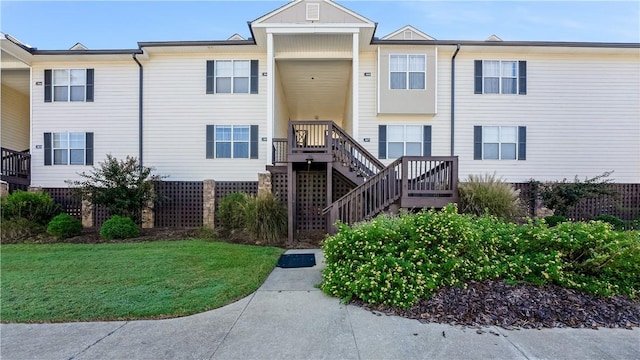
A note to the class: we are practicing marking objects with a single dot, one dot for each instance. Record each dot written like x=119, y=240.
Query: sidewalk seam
x=355, y=341
x=232, y=326
x=521, y=351
x=97, y=341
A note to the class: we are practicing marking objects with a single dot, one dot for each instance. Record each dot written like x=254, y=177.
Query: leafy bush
x=398, y=260
x=37, y=207
x=64, y=226
x=231, y=211
x=553, y=220
x=124, y=187
x=265, y=218
x=19, y=229
x=118, y=227
x=487, y=194
x=562, y=196
x=613, y=220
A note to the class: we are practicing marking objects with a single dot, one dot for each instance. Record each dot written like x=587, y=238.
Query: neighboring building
x=198, y=110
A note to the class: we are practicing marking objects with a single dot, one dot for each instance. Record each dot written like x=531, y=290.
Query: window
x=500, y=142
x=232, y=142
x=232, y=76
x=395, y=141
x=68, y=148
x=63, y=85
x=500, y=77
x=407, y=72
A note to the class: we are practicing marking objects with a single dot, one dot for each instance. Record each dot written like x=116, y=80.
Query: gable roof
x=294, y=10
x=400, y=34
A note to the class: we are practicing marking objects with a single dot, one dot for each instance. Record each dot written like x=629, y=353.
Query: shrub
x=19, y=229
x=37, y=207
x=231, y=211
x=265, y=218
x=553, y=220
x=118, y=227
x=614, y=221
x=487, y=194
x=398, y=260
x=64, y=226
x=124, y=187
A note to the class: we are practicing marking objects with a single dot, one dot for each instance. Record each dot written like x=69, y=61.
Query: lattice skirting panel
x=225, y=188
x=311, y=189
x=180, y=204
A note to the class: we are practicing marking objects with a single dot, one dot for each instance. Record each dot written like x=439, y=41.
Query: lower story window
x=500, y=142
x=232, y=142
x=68, y=148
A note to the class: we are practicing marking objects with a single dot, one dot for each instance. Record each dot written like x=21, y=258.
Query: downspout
x=453, y=98
x=139, y=111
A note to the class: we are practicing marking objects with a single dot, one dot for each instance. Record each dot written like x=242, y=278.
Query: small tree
x=562, y=196
x=123, y=186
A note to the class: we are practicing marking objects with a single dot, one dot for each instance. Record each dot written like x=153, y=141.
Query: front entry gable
x=312, y=12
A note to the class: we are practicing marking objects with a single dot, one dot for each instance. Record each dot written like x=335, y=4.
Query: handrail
x=415, y=181
x=279, y=151
x=16, y=166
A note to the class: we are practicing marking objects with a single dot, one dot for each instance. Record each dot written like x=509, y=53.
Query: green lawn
x=83, y=282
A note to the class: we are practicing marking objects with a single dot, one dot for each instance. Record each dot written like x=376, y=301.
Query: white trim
x=355, y=87
x=270, y=97
x=435, y=79
x=378, y=82
x=264, y=17
x=407, y=71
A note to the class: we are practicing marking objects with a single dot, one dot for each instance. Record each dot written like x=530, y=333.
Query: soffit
x=17, y=79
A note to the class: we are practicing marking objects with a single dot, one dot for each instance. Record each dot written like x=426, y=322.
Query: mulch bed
x=495, y=303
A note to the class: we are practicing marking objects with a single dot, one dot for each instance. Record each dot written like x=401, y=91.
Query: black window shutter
x=477, y=77
x=89, y=85
x=382, y=141
x=477, y=143
x=47, y=148
x=522, y=77
x=254, y=76
x=426, y=140
x=210, y=141
x=522, y=143
x=48, y=86
x=210, y=76
x=88, y=149
x=253, y=146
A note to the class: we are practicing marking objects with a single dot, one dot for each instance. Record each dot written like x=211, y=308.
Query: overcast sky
x=121, y=24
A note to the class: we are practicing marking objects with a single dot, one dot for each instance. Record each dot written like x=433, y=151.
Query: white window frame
x=404, y=140
x=500, y=142
x=501, y=76
x=66, y=136
x=232, y=77
x=68, y=85
x=408, y=72
x=232, y=141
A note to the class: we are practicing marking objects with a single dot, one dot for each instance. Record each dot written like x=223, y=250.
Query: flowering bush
x=398, y=260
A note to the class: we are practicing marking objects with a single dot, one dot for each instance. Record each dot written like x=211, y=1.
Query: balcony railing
x=16, y=167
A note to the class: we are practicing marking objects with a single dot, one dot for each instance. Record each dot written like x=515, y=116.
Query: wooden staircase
x=408, y=182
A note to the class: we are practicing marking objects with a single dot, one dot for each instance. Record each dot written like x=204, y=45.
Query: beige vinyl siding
x=178, y=109
x=281, y=110
x=15, y=119
x=112, y=117
x=582, y=114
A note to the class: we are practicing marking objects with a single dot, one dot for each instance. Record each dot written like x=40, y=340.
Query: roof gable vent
x=313, y=12
x=493, y=38
x=408, y=34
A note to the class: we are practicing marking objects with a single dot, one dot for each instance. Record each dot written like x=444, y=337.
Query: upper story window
x=68, y=148
x=395, y=141
x=500, y=142
x=63, y=85
x=232, y=77
x=500, y=77
x=407, y=72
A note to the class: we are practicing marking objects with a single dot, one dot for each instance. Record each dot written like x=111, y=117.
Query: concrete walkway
x=288, y=318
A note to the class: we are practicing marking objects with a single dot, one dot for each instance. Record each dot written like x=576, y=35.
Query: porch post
x=355, y=88
x=270, y=96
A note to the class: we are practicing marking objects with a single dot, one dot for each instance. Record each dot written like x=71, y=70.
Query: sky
x=58, y=25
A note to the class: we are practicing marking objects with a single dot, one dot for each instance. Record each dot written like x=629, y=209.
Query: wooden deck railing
x=16, y=167
x=279, y=151
x=312, y=139
x=410, y=181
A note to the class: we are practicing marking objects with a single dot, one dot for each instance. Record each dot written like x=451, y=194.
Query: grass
x=149, y=280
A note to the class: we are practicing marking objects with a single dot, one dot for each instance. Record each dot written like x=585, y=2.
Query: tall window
x=407, y=72
x=68, y=148
x=232, y=141
x=69, y=84
x=232, y=76
x=404, y=140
